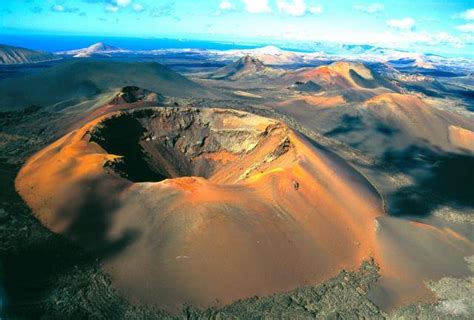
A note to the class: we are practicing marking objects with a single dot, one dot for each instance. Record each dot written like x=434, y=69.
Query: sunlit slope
x=354, y=81
x=415, y=120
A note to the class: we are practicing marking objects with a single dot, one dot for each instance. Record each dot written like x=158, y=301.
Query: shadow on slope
x=41, y=272
x=348, y=123
x=96, y=211
x=121, y=137
x=440, y=178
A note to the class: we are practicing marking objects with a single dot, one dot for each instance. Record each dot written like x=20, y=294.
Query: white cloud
x=226, y=5
x=165, y=10
x=371, y=8
x=424, y=38
x=123, y=3
x=297, y=7
x=117, y=5
x=469, y=27
x=138, y=7
x=257, y=6
x=111, y=8
x=64, y=9
x=58, y=8
x=441, y=38
x=403, y=24
x=316, y=9
x=468, y=14
x=292, y=7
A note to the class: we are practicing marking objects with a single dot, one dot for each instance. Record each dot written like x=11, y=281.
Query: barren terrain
x=251, y=190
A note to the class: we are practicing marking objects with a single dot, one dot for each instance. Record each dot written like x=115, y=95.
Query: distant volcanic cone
x=247, y=67
x=97, y=49
x=354, y=81
x=132, y=94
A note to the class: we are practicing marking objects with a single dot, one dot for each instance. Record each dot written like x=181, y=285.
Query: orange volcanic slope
x=270, y=211
x=461, y=138
x=341, y=75
x=420, y=120
x=338, y=73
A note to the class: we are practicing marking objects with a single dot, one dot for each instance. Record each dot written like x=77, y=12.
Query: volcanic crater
x=158, y=144
x=202, y=207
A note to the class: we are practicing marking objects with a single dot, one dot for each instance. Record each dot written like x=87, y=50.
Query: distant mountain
x=97, y=49
x=400, y=58
x=247, y=67
x=72, y=82
x=15, y=55
x=269, y=55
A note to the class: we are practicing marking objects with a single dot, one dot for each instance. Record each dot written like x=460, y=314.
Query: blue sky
x=423, y=25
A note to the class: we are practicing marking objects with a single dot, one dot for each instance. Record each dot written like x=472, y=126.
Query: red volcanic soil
x=202, y=207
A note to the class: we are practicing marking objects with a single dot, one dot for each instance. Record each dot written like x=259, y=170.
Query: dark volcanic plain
x=250, y=187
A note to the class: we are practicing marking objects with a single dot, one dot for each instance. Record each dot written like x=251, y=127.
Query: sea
x=55, y=43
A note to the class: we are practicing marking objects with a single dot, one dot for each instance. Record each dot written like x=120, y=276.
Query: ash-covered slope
x=245, y=68
x=72, y=82
x=15, y=55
